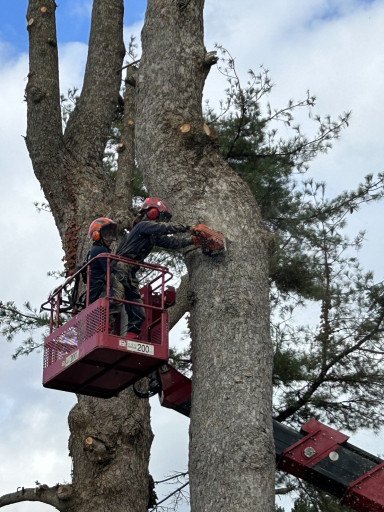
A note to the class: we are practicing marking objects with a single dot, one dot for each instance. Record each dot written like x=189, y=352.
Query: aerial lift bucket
x=83, y=356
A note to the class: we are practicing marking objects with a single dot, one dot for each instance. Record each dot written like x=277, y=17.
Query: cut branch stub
x=208, y=130
x=211, y=58
x=44, y=9
x=97, y=449
x=185, y=128
x=30, y=22
x=211, y=132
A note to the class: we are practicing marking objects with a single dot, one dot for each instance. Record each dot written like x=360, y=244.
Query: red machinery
x=317, y=454
x=83, y=356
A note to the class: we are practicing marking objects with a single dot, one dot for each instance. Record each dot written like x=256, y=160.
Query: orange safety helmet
x=96, y=227
x=154, y=207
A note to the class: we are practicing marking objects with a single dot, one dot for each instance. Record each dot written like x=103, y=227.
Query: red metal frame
x=311, y=449
x=364, y=494
x=367, y=492
x=176, y=389
x=84, y=357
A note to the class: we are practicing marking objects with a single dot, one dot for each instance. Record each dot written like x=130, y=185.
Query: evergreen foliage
x=14, y=320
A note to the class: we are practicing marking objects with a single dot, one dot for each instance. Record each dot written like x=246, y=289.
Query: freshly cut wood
x=185, y=128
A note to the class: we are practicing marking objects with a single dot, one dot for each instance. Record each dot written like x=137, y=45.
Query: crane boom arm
x=317, y=454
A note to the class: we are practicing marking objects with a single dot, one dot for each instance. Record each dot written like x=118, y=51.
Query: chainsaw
x=207, y=238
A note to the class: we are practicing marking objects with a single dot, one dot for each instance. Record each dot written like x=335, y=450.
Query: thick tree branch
x=70, y=168
x=88, y=127
x=44, y=132
x=42, y=91
x=57, y=496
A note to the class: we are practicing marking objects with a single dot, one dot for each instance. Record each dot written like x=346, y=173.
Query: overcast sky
x=333, y=48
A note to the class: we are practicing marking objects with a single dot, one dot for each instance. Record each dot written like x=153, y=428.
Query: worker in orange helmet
x=103, y=232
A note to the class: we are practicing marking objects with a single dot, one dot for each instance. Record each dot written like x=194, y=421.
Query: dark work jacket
x=98, y=270
x=146, y=235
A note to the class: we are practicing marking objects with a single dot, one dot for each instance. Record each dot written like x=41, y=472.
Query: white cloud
x=80, y=8
x=72, y=60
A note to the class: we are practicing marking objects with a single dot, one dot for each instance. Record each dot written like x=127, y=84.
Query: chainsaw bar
x=208, y=239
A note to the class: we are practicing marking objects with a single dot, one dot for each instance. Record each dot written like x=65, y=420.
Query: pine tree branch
x=14, y=312
x=316, y=383
x=313, y=144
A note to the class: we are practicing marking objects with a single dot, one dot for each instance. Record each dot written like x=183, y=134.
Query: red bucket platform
x=82, y=357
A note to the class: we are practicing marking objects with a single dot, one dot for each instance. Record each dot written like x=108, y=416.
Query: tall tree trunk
x=231, y=442
x=110, y=439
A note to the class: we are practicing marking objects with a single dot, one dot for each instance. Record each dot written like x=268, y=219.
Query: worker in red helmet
x=103, y=232
x=152, y=228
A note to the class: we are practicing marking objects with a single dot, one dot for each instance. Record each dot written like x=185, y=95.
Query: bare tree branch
x=285, y=490
x=57, y=496
x=170, y=496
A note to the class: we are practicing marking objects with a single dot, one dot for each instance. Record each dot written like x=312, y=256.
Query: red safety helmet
x=96, y=227
x=154, y=207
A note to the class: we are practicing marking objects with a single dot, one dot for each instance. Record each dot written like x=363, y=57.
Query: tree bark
x=231, y=443
x=111, y=473
x=112, y=470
